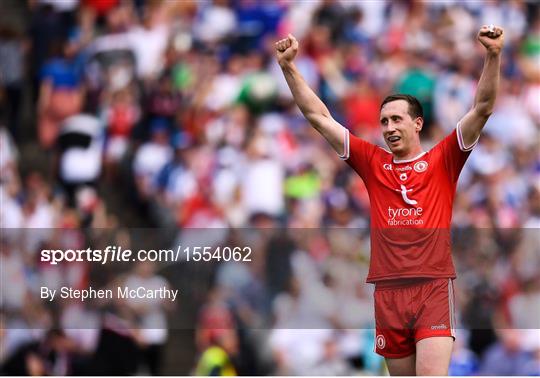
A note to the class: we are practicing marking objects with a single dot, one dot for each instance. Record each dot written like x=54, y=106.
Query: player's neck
x=409, y=155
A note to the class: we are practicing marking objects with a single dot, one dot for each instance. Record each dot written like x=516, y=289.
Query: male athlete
x=411, y=193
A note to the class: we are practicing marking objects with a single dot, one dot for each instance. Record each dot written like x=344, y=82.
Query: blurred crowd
x=176, y=113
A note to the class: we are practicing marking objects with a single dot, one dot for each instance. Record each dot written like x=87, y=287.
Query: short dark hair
x=415, y=108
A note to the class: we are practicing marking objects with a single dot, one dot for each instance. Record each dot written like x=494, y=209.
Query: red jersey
x=411, y=206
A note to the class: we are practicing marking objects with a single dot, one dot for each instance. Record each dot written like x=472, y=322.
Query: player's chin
x=394, y=147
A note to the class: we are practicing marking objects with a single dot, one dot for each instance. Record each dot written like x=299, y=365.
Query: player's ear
x=418, y=124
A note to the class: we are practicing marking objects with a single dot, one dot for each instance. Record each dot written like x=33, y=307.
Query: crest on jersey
x=403, y=176
x=420, y=166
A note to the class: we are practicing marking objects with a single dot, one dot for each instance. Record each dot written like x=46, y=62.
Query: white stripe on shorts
x=451, y=307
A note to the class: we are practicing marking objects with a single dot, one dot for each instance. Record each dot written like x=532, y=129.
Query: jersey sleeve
x=358, y=154
x=454, y=153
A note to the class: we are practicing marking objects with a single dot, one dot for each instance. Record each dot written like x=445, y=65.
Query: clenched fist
x=492, y=38
x=286, y=49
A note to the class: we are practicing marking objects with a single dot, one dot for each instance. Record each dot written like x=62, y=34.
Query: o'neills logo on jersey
x=406, y=168
x=405, y=216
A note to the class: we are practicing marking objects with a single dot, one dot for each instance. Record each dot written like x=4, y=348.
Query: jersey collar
x=410, y=160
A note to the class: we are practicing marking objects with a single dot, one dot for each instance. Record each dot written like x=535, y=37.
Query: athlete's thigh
x=433, y=355
x=394, y=339
x=402, y=366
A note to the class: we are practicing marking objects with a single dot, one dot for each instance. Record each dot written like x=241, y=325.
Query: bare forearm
x=311, y=106
x=309, y=103
x=492, y=38
x=488, y=85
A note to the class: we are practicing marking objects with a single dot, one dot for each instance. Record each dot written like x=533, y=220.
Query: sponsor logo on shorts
x=420, y=166
x=380, y=341
x=440, y=326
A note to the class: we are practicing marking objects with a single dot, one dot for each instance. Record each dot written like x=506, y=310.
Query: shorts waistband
x=401, y=283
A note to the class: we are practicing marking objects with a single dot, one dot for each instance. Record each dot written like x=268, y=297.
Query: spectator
x=80, y=162
x=217, y=360
x=507, y=356
x=150, y=159
x=262, y=186
x=151, y=313
x=60, y=94
x=52, y=356
x=11, y=78
x=121, y=112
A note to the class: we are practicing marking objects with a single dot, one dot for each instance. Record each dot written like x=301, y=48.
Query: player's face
x=399, y=130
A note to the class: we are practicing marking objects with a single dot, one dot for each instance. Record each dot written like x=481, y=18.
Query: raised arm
x=311, y=106
x=471, y=125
